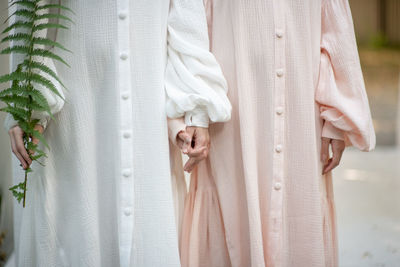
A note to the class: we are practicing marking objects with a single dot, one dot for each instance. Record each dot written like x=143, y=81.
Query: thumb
x=184, y=140
x=188, y=137
x=325, y=149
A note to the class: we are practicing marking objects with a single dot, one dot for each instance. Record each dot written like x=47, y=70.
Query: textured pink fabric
x=294, y=75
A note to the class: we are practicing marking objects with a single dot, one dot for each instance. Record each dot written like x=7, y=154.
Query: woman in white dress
x=104, y=197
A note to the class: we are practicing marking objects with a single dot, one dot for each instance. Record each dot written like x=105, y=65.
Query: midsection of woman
x=260, y=199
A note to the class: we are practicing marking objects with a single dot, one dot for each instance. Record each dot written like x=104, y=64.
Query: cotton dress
x=294, y=75
x=104, y=197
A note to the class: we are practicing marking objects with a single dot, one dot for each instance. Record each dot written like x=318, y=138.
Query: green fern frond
x=24, y=98
x=39, y=136
x=21, y=113
x=25, y=3
x=44, y=68
x=47, y=53
x=17, y=37
x=15, y=90
x=45, y=41
x=16, y=75
x=22, y=13
x=53, y=16
x=17, y=25
x=45, y=82
x=15, y=99
x=42, y=26
x=55, y=6
x=19, y=49
x=39, y=98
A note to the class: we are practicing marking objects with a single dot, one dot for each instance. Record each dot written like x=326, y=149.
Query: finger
x=338, y=147
x=333, y=163
x=193, y=153
x=325, y=149
x=35, y=141
x=191, y=164
x=16, y=153
x=193, y=161
x=184, y=141
x=19, y=143
x=189, y=139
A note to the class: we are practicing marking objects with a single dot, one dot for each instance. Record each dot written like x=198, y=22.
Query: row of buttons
x=126, y=186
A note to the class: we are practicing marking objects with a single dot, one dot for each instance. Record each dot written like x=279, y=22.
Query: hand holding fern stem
x=24, y=97
x=18, y=139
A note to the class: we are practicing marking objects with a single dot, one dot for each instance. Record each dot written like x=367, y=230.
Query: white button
x=277, y=186
x=126, y=173
x=279, y=110
x=278, y=148
x=279, y=33
x=279, y=72
x=125, y=96
x=123, y=56
x=127, y=211
x=122, y=15
x=127, y=134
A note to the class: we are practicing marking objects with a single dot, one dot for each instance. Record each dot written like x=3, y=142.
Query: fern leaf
x=39, y=136
x=16, y=75
x=53, y=16
x=19, y=49
x=24, y=13
x=17, y=37
x=39, y=98
x=14, y=90
x=44, y=68
x=24, y=3
x=22, y=114
x=46, y=53
x=24, y=126
x=42, y=26
x=45, y=82
x=45, y=41
x=15, y=99
x=55, y=6
x=17, y=25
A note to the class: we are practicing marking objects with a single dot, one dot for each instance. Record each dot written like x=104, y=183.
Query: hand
x=195, y=142
x=18, y=147
x=338, y=147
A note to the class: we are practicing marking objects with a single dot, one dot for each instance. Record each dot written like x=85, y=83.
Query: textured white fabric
x=104, y=197
x=191, y=88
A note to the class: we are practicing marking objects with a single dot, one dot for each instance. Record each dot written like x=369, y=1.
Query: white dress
x=104, y=197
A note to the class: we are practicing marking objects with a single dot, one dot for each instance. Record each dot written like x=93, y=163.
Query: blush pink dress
x=294, y=75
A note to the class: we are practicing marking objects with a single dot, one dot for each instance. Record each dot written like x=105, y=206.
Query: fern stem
x=25, y=184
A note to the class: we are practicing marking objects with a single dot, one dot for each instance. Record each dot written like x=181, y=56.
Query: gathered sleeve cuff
x=175, y=126
x=194, y=83
x=341, y=91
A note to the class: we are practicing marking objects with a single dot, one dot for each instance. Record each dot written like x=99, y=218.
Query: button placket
x=126, y=181
x=278, y=185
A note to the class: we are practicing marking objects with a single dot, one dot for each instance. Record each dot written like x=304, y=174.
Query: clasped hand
x=194, y=142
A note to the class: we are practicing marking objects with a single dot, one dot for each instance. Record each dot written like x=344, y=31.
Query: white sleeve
x=195, y=85
x=55, y=102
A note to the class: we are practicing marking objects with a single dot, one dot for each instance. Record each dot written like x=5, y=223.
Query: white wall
x=6, y=216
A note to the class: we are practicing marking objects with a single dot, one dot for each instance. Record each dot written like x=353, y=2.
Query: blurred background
x=366, y=184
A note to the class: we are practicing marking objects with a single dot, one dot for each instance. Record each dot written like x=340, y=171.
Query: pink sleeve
x=175, y=126
x=341, y=90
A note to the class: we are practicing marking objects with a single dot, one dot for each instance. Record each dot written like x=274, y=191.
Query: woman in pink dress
x=264, y=196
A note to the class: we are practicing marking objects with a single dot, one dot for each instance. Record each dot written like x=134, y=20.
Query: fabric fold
x=194, y=80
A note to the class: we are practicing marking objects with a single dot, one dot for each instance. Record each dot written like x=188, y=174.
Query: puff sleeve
x=195, y=85
x=341, y=91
